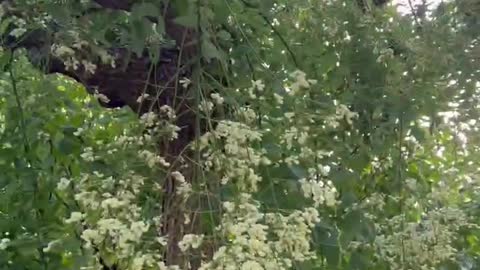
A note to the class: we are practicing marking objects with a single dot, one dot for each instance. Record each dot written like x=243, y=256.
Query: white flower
x=217, y=98
x=320, y=192
x=87, y=155
x=91, y=236
x=17, y=32
x=251, y=265
x=247, y=114
x=63, y=184
x=101, y=97
x=142, y=97
x=259, y=85
x=74, y=217
x=149, y=119
x=184, y=189
x=205, y=106
x=51, y=245
x=152, y=159
x=342, y=111
x=138, y=228
x=88, y=199
x=185, y=82
x=289, y=115
x=300, y=82
x=168, y=111
x=278, y=98
x=229, y=206
x=332, y=122
x=161, y=240
x=178, y=176
x=61, y=50
x=113, y=203
x=4, y=243
x=190, y=240
x=78, y=132
x=89, y=67
x=138, y=263
x=105, y=57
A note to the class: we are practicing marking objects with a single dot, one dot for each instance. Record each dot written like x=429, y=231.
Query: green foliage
x=367, y=122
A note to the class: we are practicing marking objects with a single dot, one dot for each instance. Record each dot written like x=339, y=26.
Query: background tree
x=272, y=135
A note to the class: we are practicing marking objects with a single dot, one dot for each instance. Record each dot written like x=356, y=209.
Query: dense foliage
x=323, y=134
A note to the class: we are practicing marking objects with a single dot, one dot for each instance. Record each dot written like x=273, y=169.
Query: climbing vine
x=241, y=134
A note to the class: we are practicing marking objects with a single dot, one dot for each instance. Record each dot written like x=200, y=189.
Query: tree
x=272, y=135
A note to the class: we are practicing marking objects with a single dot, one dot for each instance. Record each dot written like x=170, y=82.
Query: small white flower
x=184, y=189
x=319, y=191
x=229, y=206
x=17, y=32
x=190, y=241
x=4, y=243
x=101, y=97
x=259, y=85
x=178, y=176
x=168, y=111
x=205, y=106
x=112, y=203
x=142, y=97
x=89, y=67
x=185, y=82
x=74, y=217
x=217, y=98
x=63, y=184
x=78, y=132
x=251, y=265
x=149, y=119
x=278, y=98
x=51, y=245
x=61, y=50
x=87, y=155
x=161, y=240
x=91, y=236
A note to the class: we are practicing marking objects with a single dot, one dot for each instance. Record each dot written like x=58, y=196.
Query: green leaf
x=210, y=51
x=140, y=30
x=298, y=171
x=224, y=35
x=187, y=20
x=5, y=59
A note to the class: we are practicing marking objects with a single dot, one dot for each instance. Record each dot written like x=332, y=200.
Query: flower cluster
x=300, y=81
x=342, y=113
x=190, y=241
x=118, y=221
x=320, y=191
x=110, y=216
x=230, y=153
x=423, y=244
x=161, y=123
x=262, y=241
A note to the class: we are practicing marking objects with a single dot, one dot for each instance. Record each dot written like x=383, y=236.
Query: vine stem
x=18, y=102
x=13, y=81
x=282, y=39
x=402, y=186
x=198, y=88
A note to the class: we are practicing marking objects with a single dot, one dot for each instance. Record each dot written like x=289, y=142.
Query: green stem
x=17, y=100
